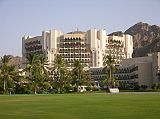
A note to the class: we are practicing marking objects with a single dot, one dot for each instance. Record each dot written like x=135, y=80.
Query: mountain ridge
x=146, y=38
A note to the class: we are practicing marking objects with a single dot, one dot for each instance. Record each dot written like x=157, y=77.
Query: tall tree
x=7, y=72
x=35, y=68
x=109, y=64
x=77, y=74
x=42, y=63
x=31, y=62
x=60, y=73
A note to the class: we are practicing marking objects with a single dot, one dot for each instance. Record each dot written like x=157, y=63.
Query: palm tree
x=7, y=72
x=4, y=64
x=36, y=68
x=77, y=73
x=32, y=69
x=109, y=64
x=31, y=61
x=42, y=63
x=37, y=77
x=60, y=73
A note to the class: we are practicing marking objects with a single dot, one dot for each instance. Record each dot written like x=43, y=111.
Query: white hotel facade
x=89, y=47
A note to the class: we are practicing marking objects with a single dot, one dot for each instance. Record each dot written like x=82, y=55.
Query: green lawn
x=80, y=106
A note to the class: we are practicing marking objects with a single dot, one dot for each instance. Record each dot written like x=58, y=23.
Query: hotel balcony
x=33, y=48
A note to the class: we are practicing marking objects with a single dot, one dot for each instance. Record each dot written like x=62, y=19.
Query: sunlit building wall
x=88, y=47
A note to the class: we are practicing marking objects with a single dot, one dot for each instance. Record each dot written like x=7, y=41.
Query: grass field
x=80, y=106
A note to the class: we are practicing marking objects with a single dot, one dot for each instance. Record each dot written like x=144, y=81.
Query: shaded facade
x=134, y=71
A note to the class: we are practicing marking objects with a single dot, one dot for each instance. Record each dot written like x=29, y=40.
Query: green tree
x=31, y=62
x=42, y=64
x=78, y=74
x=7, y=72
x=30, y=69
x=46, y=86
x=60, y=73
x=36, y=70
x=109, y=68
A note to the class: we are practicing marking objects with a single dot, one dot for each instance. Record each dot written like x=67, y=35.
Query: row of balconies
x=126, y=77
x=118, y=76
x=37, y=52
x=116, y=57
x=115, y=41
x=72, y=48
x=96, y=72
x=32, y=43
x=114, y=50
x=86, y=62
x=97, y=77
x=73, y=51
x=116, y=45
x=72, y=45
x=83, y=64
x=76, y=55
x=81, y=60
x=127, y=70
x=33, y=48
x=117, y=53
x=71, y=39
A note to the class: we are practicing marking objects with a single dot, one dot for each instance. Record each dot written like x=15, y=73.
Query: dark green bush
x=154, y=86
x=68, y=88
x=88, y=88
x=95, y=89
x=144, y=87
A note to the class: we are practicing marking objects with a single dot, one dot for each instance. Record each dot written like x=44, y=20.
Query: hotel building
x=120, y=47
x=88, y=47
x=139, y=70
x=142, y=70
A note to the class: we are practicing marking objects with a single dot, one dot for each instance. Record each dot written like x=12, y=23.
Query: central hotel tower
x=89, y=47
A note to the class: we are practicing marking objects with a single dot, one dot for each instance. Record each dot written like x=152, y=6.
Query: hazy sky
x=30, y=17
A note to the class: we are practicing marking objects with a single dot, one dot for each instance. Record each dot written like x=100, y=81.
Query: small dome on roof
x=76, y=32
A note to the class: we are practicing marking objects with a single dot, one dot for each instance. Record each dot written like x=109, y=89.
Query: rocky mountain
x=16, y=60
x=146, y=38
x=118, y=33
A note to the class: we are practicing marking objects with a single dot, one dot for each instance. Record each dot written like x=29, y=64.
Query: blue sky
x=30, y=17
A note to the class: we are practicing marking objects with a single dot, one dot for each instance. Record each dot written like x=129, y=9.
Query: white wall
x=102, y=38
x=93, y=41
x=128, y=45
x=54, y=37
x=145, y=76
x=148, y=67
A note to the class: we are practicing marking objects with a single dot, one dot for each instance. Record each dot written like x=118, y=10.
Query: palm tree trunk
x=110, y=76
x=4, y=85
x=35, y=89
x=59, y=78
x=35, y=92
